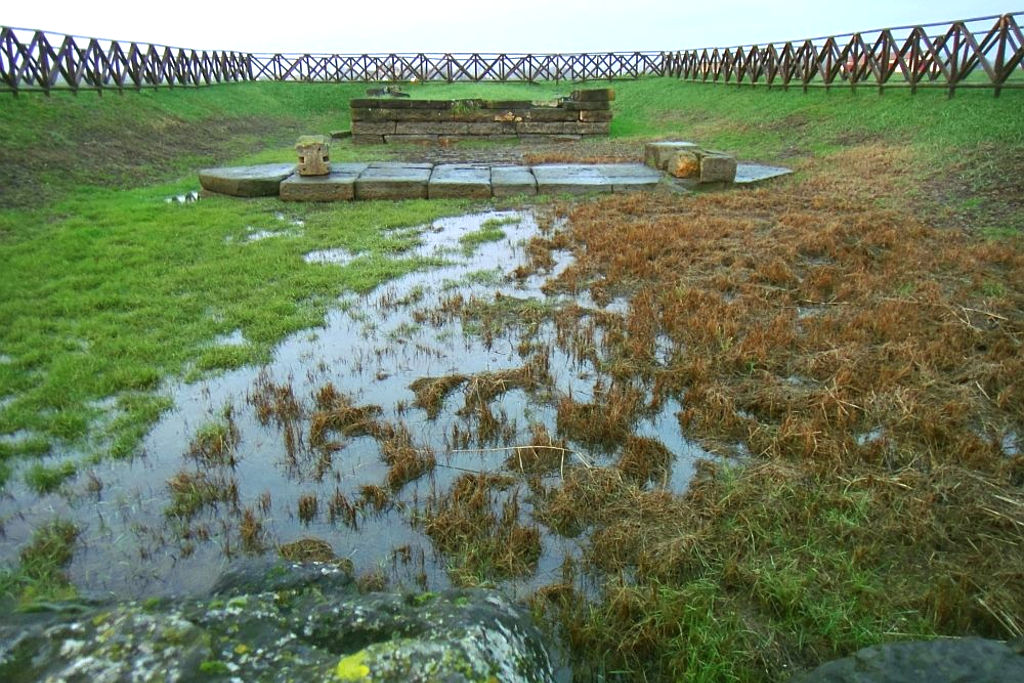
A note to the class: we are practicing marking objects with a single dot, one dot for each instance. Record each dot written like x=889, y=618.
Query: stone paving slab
x=339, y=185
x=755, y=173
x=628, y=177
x=452, y=181
x=509, y=181
x=570, y=179
x=385, y=165
x=263, y=180
x=393, y=180
x=401, y=180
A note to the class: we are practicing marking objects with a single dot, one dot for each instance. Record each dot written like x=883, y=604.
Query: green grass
x=471, y=240
x=46, y=479
x=760, y=123
x=40, y=577
x=112, y=292
x=760, y=579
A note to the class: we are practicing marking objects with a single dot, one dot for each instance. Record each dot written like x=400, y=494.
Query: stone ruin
x=314, y=155
x=690, y=162
x=586, y=113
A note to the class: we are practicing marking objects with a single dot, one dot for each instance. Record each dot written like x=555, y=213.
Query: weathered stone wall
x=375, y=121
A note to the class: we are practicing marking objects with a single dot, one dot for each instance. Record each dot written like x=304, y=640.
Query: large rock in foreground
x=959, y=660
x=305, y=623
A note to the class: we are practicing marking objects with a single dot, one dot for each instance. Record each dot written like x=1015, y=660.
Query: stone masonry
x=586, y=113
x=314, y=155
x=688, y=161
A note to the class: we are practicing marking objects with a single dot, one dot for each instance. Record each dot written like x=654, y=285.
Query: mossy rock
x=299, y=622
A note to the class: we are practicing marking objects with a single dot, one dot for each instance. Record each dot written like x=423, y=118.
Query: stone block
x=394, y=180
x=411, y=139
x=509, y=181
x=491, y=128
x=594, y=95
x=453, y=181
x=572, y=105
x=551, y=114
x=339, y=185
x=433, y=128
x=544, y=128
x=367, y=139
x=263, y=180
x=341, y=134
x=471, y=115
x=570, y=179
x=373, y=114
x=373, y=127
x=405, y=164
x=418, y=115
x=314, y=155
x=508, y=116
x=588, y=128
x=717, y=168
x=431, y=104
x=756, y=173
x=656, y=154
x=629, y=177
x=595, y=116
x=505, y=104
x=400, y=104
x=683, y=164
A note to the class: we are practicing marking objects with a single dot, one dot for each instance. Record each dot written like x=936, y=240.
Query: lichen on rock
x=279, y=621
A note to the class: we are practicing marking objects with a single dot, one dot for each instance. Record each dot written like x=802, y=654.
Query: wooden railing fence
x=982, y=52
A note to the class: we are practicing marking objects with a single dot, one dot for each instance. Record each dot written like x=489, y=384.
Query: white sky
x=347, y=26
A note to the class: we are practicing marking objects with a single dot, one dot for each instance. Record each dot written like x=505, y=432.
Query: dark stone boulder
x=279, y=622
x=947, y=660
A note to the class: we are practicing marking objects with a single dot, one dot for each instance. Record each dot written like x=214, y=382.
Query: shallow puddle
x=336, y=256
x=286, y=465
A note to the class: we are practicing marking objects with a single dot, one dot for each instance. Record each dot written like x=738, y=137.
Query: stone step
x=393, y=180
x=401, y=180
x=263, y=180
x=455, y=181
x=339, y=185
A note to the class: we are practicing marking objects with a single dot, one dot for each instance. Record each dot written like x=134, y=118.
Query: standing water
x=357, y=430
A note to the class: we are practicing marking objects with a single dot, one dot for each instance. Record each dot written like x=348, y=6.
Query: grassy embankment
x=878, y=292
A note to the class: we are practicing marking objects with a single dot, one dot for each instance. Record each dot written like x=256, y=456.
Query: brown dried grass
x=432, y=391
x=336, y=413
x=872, y=365
x=806, y=315
x=251, y=532
x=543, y=455
x=405, y=460
x=481, y=531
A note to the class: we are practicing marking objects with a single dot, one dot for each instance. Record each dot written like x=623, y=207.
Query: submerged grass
x=121, y=290
x=477, y=526
x=40, y=575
